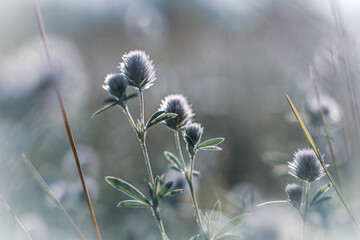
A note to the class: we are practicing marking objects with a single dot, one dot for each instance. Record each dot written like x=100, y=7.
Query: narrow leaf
x=214, y=148
x=196, y=173
x=161, y=118
x=130, y=96
x=280, y=202
x=173, y=167
x=165, y=188
x=230, y=236
x=103, y=109
x=154, y=115
x=320, y=192
x=109, y=100
x=214, y=217
x=233, y=223
x=194, y=237
x=173, y=159
x=321, y=199
x=211, y=142
x=132, y=204
x=173, y=192
x=189, y=141
x=126, y=188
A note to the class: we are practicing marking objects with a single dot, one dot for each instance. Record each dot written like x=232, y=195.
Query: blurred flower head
x=193, y=131
x=116, y=85
x=328, y=105
x=178, y=104
x=294, y=192
x=139, y=69
x=306, y=166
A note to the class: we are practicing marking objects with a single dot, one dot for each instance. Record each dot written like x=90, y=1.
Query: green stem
x=147, y=161
x=306, y=206
x=191, y=167
x=196, y=207
x=178, y=146
x=131, y=120
x=156, y=213
x=142, y=108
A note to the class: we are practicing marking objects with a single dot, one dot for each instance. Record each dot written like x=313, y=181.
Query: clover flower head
x=194, y=132
x=294, y=192
x=178, y=104
x=115, y=84
x=139, y=69
x=306, y=166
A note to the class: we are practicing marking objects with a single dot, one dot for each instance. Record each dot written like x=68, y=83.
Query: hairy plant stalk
x=51, y=195
x=156, y=213
x=67, y=125
x=17, y=220
x=196, y=208
x=178, y=146
x=306, y=206
x=141, y=135
x=192, y=161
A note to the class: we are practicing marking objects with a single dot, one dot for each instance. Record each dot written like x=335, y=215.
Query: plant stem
x=6, y=205
x=147, y=161
x=306, y=205
x=178, y=146
x=131, y=120
x=192, y=161
x=196, y=207
x=142, y=107
x=156, y=213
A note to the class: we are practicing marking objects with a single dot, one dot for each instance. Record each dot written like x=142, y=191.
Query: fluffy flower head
x=193, y=131
x=138, y=68
x=178, y=104
x=116, y=85
x=294, y=192
x=306, y=166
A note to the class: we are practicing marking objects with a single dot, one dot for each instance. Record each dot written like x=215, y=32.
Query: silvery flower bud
x=194, y=132
x=116, y=85
x=294, y=192
x=177, y=104
x=306, y=165
x=139, y=69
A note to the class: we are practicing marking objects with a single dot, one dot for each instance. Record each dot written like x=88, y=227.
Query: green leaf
x=214, y=148
x=321, y=199
x=319, y=193
x=275, y=158
x=126, y=188
x=130, y=96
x=211, y=142
x=132, y=204
x=103, y=109
x=230, y=236
x=173, y=167
x=189, y=141
x=173, y=159
x=214, y=217
x=233, y=223
x=173, y=192
x=161, y=118
x=195, y=237
x=110, y=100
x=280, y=202
x=155, y=115
x=165, y=188
x=196, y=173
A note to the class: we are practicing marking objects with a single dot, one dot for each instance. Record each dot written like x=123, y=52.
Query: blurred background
x=233, y=59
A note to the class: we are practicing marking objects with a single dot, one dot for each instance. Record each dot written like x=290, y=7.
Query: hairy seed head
x=138, y=68
x=294, y=192
x=116, y=85
x=306, y=166
x=178, y=104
